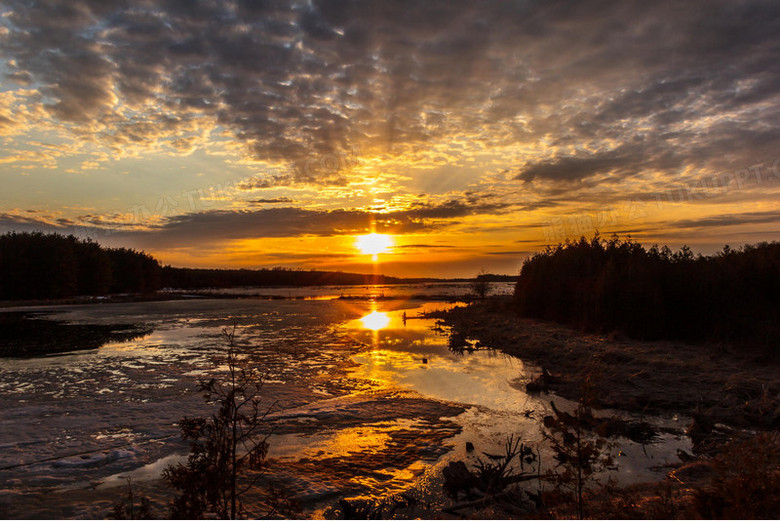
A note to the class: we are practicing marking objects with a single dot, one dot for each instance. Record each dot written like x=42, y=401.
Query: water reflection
x=385, y=418
x=407, y=351
x=30, y=334
x=375, y=320
x=409, y=354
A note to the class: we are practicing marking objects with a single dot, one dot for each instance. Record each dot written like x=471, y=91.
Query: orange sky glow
x=464, y=136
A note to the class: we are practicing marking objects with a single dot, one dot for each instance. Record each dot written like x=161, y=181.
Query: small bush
x=223, y=446
x=746, y=484
x=581, y=451
x=132, y=506
x=494, y=473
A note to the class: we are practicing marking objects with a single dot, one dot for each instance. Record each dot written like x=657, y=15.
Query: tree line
x=618, y=285
x=45, y=266
x=196, y=278
x=40, y=266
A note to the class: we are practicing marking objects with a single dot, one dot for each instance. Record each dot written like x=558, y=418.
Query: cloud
x=28, y=221
x=733, y=219
x=451, y=209
x=511, y=253
x=275, y=200
x=424, y=246
x=227, y=225
x=582, y=85
x=574, y=168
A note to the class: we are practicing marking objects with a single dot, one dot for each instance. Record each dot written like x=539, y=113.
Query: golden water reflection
x=375, y=320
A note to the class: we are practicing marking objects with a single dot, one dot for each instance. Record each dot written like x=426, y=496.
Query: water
x=432, y=290
x=368, y=403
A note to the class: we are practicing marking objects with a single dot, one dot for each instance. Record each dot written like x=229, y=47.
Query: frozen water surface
x=368, y=403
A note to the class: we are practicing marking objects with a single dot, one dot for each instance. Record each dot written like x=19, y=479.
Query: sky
x=273, y=133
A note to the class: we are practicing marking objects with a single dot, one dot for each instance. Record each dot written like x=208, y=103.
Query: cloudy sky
x=267, y=133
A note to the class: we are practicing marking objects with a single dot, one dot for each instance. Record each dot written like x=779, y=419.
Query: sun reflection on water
x=375, y=320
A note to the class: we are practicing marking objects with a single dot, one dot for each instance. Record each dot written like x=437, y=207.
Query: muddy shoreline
x=726, y=385
x=730, y=397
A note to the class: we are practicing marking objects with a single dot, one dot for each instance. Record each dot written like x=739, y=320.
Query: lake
x=371, y=401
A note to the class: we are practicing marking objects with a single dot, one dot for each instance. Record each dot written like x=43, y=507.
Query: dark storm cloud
x=294, y=80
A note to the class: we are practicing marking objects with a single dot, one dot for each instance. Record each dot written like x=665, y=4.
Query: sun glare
x=375, y=320
x=373, y=244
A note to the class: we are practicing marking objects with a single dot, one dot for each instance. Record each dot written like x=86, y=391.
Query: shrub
x=222, y=446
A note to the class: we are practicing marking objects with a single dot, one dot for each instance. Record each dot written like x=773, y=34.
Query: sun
x=373, y=244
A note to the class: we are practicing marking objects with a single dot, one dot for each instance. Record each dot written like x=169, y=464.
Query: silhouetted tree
x=38, y=265
x=191, y=278
x=223, y=446
x=133, y=272
x=94, y=267
x=603, y=285
x=481, y=285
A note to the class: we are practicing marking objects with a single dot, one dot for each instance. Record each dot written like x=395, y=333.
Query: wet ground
x=371, y=402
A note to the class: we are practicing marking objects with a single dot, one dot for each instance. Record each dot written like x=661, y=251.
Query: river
x=370, y=399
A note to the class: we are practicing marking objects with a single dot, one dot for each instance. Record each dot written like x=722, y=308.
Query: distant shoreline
x=220, y=293
x=50, y=269
x=101, y=299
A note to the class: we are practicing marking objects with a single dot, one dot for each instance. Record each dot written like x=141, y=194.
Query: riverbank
x=729, y=386
x=730, y=395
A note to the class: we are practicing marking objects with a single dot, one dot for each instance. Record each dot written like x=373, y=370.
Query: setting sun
x=373, y=243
